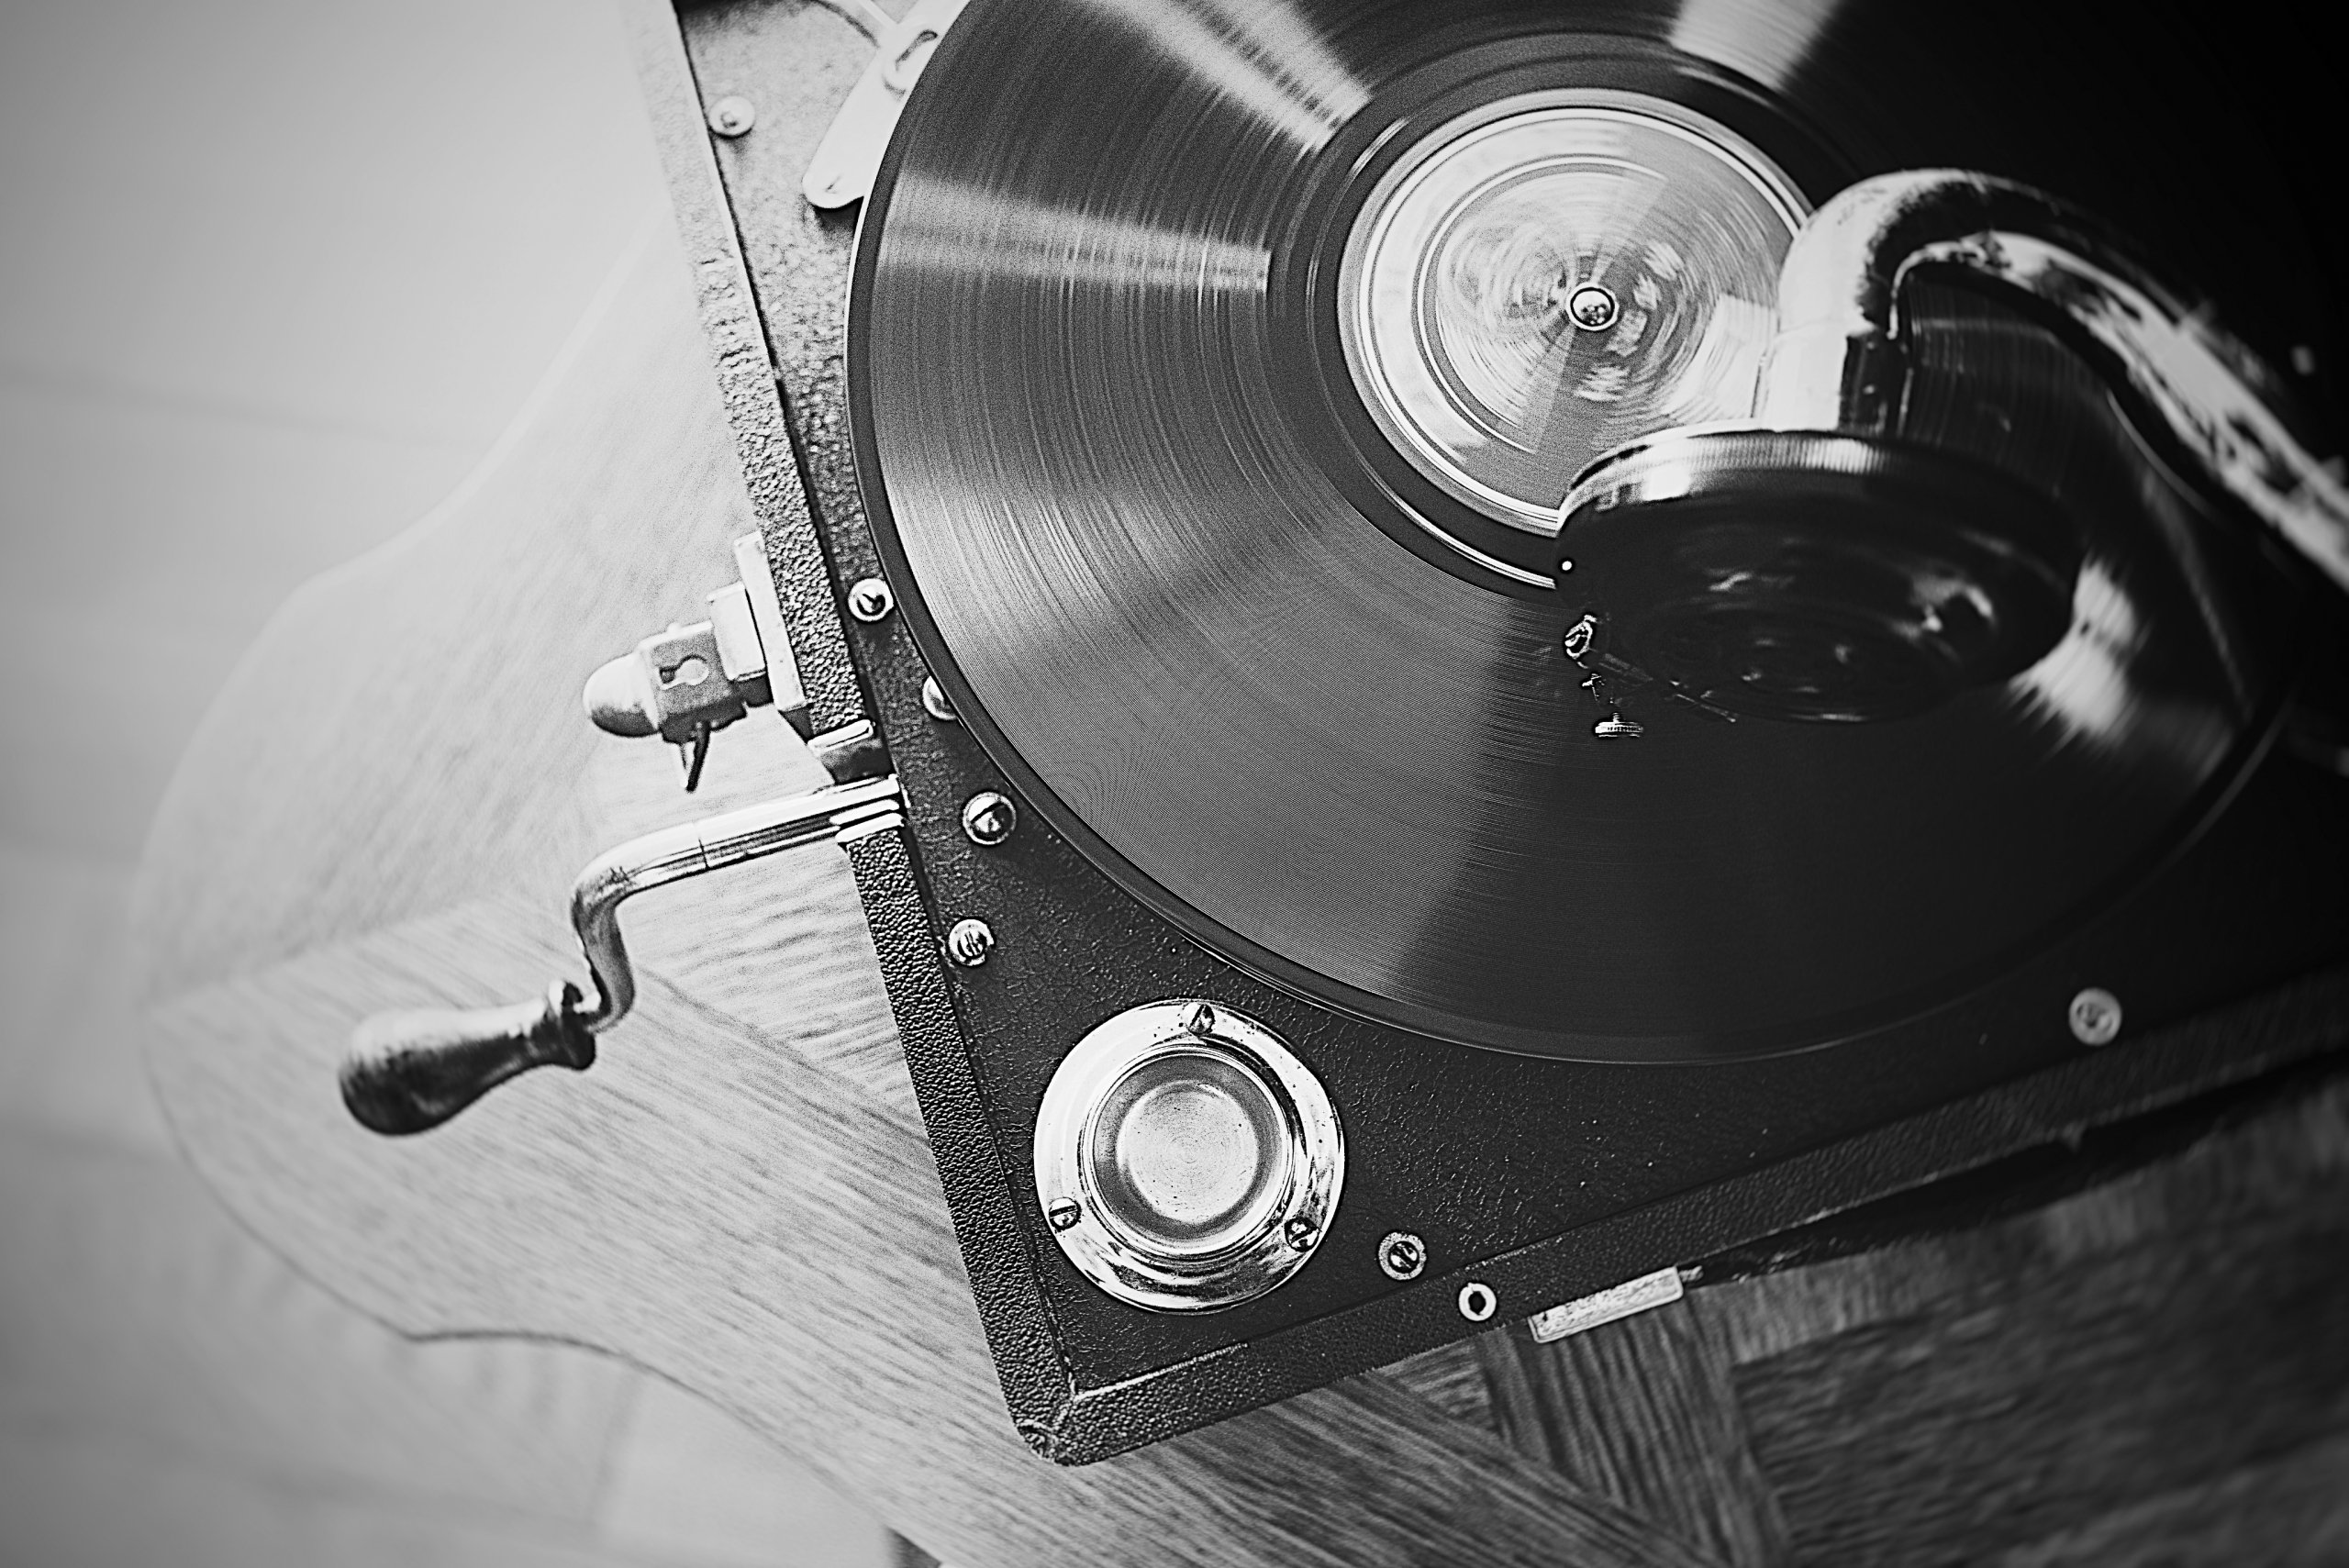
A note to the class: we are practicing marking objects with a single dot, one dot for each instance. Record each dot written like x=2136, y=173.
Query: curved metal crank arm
x=414, y=1070
x=1840, y=354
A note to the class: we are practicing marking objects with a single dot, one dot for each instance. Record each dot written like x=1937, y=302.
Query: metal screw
x=1402, y=1255
x=1478, y=1301
x=969, y=943
x=934, y=702
x=1301, y=1233
x=1199, y=1019
x=1063, y=1213
x=2095, y=1016
x=1592, y=308
x=732, y=116
x=989, y=818
x=869, y=599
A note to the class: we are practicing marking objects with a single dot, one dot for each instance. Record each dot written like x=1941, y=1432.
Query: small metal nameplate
x=1605, y=1305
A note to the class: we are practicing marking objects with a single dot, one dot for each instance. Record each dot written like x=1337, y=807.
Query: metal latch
x=1585, y=1313
x=689, y=681
x=849, y=155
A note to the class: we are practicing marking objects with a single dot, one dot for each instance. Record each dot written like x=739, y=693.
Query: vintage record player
x=1478, y=655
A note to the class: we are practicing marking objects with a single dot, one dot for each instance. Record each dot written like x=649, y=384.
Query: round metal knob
x=1186, y=1157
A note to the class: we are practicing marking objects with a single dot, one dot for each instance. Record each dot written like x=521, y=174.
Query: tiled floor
x=273, y=274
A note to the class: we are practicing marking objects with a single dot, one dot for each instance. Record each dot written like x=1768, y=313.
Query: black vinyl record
x=1211, y=362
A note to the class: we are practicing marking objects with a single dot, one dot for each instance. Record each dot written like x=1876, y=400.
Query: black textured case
x=1543, y=1180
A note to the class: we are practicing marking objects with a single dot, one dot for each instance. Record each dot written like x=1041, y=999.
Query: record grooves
x=1524, y=649
x=1109, y=460
x=1187, y=563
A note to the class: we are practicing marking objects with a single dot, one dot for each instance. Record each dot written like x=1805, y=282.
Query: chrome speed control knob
x=1187, y=1160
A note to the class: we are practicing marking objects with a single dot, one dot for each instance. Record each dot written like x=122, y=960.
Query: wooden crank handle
x=411, y=1071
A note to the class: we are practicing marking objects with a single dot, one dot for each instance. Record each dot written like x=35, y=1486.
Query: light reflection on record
x=1223, y=626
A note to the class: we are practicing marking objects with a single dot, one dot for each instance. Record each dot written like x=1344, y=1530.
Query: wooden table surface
x=386, y=808
x=387, y=805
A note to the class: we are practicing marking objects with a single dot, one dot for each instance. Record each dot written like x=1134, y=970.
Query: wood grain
x=82, y=1499
x=2285, y=1513
x=1930, y=1440
x=1452, y=1378
x=1978, y=1393
x=1643, y=1410
x=2290, y=1159
x=130, y=1306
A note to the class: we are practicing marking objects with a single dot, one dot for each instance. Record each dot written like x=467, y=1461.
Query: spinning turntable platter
x=1213, y=362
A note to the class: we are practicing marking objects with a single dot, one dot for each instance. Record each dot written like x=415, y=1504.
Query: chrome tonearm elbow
x=1839, y=360
x=1812, y=566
